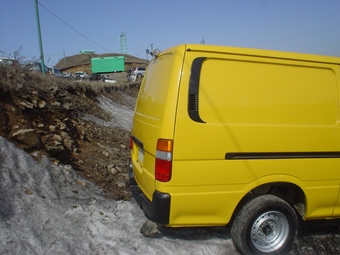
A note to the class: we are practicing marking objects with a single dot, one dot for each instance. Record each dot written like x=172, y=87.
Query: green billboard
x=108, y=64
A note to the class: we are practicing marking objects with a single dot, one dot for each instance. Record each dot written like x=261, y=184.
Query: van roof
x=258, y=52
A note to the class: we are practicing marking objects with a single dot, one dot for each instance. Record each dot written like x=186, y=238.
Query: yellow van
x=245, y=137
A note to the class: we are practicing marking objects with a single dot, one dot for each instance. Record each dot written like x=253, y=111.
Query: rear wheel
x=265, y=225
x=139, y=75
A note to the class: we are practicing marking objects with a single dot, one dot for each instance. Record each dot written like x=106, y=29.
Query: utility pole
x=39, y=37
x=64, y=59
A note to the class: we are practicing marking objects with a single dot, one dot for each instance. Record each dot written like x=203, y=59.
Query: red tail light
x=131, y=142
x=163, y=164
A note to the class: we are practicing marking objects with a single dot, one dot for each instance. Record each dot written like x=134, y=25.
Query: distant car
x=79, y=75
x=109, y=80
x=95, y=77
x=35, y=67
x=138, y=71
x=55, y=72
x=67, y=75
x=8, y=61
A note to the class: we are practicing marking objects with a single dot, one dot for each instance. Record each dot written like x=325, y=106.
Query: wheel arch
x=291, y=192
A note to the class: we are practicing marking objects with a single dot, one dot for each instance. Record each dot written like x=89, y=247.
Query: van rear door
x=154, y=115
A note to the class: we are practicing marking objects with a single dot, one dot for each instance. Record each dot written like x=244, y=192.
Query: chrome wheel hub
x=269, y=231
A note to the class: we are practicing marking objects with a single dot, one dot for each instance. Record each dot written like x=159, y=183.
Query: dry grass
x=17, y=78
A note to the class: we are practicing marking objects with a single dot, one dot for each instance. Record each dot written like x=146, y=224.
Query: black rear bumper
x=158, y=209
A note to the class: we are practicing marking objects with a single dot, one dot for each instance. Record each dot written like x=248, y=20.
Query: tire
x=265, y=225
x=139, y=75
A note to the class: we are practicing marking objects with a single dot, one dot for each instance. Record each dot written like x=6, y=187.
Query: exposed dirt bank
x=59, y=118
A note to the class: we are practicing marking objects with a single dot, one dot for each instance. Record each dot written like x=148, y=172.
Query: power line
x=72, y=27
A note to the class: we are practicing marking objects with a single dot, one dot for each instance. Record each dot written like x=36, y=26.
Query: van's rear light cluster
x=131, y=143
x=163, y=164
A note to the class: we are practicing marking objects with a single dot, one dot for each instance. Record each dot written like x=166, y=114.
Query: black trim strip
x=193, y=89
x=139, y=143
x=281, y=155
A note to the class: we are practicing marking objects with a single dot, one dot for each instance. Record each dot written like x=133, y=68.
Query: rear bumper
x=158, y=209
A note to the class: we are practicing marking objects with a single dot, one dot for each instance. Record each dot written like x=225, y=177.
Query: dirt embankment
x=45, y=116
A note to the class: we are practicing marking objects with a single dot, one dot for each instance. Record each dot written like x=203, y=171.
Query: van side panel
x=263, y=120
x=267, y=93
x=154, y=116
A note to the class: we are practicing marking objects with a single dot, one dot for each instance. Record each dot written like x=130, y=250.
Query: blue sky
x=68, y=26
